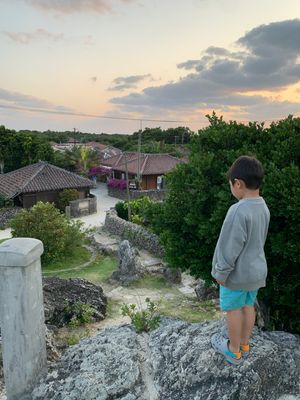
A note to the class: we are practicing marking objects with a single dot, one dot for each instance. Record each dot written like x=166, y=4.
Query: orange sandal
x=245, y=348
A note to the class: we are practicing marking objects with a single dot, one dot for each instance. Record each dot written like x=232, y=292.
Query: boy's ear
x=240, y=183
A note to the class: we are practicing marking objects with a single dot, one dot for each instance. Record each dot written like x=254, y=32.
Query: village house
x=152, y=167
x=104, y=151
x=41, y=182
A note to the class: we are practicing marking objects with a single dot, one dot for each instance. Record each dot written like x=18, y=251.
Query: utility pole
x=139, y=154
x=127, y=187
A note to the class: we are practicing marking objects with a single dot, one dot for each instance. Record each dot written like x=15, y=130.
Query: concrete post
x=21, y=316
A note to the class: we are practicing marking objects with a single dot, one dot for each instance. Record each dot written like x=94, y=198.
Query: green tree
x=20, y=149
x=66, y=196
x=82, y=159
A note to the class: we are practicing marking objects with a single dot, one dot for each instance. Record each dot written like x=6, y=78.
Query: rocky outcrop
x=129, y=268
x=62, y=295
x=174, y=362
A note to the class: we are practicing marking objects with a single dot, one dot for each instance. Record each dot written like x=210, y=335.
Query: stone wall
x=154, y=194
x=135, y=234
x=6, y=214
x=82, y=207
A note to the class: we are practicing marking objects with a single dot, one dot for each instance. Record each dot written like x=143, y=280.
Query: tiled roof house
x=41, y=182
x=152, y=167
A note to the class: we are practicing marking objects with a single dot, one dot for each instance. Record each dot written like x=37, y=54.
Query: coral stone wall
x=136, y=234
x=6, y=214
x=135, y=194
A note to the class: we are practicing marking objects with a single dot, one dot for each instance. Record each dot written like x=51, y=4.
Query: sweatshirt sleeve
x=230, y=244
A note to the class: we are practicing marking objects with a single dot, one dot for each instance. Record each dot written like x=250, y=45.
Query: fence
x=81, y=207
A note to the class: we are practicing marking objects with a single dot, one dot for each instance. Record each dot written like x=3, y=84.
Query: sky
x=115, y=65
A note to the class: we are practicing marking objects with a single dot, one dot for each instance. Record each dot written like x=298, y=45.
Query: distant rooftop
x=40, y=177
x=150, y=164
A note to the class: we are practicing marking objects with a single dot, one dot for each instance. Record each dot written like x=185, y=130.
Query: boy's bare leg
x=248, y=323
x=234, y=325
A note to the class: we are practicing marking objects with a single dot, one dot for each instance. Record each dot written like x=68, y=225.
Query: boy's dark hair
x=249, y=170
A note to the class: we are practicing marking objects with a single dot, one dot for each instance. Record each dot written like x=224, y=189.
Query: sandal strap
x=245, y=347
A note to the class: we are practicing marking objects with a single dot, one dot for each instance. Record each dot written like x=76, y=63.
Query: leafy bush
x=66, y=196
x=198, y=199
x=122, y=209
x=143, y=320
x=78, y=314
x=4, y=202
x=75, y=235
x=44, y=222
x=137, y=219
x=144, y=211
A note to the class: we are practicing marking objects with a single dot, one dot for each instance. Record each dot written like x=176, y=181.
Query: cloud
x=75, y=6
x=267, y=59
x=38, y=34
x=128, y=82
x=189, y=64
x=10, y=98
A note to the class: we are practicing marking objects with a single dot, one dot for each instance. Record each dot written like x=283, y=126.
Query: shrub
x=78, y=314
x=144, y=211
x=4, y=202
x=198, y=199
x=66, y=196
x=122, y=209
x=117, y=183
x=75, y=235
x=44, y=222
x=143, y=320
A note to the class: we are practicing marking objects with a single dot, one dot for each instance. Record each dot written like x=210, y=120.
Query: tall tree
x=82, y=159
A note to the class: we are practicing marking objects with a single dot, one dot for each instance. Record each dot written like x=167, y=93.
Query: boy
x=239, y=265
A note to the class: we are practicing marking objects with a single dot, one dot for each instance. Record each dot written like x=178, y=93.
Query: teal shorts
x=235, y=299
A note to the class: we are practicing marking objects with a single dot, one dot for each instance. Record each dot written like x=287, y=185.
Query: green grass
x=97, y=272
x=3, y=240
x=151, y=282
x=79, y=256
x=187, y=309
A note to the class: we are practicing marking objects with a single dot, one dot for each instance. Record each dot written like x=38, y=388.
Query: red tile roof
x=150, y=164
x=40, y=177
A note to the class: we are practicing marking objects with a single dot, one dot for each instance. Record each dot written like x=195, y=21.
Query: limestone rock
x=58, y=293
x=174, y=362
x=53, y=352
x=172, y=275
x=205, y=293
x=129, y=268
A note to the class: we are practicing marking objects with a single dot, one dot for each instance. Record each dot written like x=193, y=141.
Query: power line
x=77, y=114
x=72, y=113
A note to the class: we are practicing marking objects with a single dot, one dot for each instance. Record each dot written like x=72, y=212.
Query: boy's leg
x=248, y=313
x=235, y=323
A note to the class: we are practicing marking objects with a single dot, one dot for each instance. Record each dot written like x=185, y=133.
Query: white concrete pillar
x=22, y=316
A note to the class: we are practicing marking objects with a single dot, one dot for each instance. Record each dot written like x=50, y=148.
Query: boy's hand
x=220, y=282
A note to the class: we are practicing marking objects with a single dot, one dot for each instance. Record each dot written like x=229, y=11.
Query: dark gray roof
x=40, y=177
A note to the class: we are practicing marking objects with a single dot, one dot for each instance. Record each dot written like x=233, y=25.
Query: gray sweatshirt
x=239, y=258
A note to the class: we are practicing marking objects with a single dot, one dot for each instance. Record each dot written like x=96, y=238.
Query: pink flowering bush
x=117, y=183
x=100, y=170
